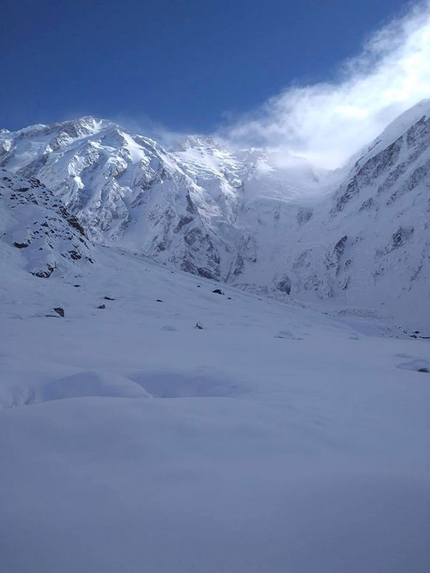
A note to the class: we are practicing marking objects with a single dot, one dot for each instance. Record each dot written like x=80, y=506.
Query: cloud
x=328, y=122
x=144, y=125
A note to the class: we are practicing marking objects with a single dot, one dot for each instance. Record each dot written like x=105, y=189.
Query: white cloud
x=327, y=123
x=142, y=124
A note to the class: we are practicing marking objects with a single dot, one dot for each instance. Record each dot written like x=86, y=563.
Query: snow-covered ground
x=273, y=439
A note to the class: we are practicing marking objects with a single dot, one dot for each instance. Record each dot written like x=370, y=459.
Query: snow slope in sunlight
x=160, y=426
x=366, y=245
x=49, y=238
x=358, y=238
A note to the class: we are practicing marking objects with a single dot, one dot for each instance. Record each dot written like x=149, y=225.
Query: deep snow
x=170, y=423
x=273, y=439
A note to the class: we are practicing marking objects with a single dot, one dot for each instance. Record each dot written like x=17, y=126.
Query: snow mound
x=287, y=335
x=89, y=383
x=416, y=365
x=170, y=384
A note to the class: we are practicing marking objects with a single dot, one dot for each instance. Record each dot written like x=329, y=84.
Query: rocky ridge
x=358, y=237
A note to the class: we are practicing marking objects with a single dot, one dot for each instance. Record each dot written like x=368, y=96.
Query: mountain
x=367, y=243
x=357, y=237
x=128, y=189
x=156, y=420
x=150, y=423
x=37, y=232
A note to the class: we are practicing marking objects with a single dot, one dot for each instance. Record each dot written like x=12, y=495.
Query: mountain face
x=359, y=236
x=128, y=189
x=37, y=229
x=368, y=242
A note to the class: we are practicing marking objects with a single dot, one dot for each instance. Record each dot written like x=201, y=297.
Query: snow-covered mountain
x=359, y=236
x=153, y=421
x=367, y=243
x=160, y=426
x=37, y=232
x=128, y=189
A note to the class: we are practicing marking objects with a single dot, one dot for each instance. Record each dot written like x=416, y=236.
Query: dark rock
x=218, y=291
x=72, y=220
x=191, y=208
x=304, y=215
x=74, y=255
x=345, y=283
x=108, y=298
x=182, y=222
x=366, y=205
x=59, y=311
x=189, y=267
x=284, y=285
x=239, y=265
x=21, y=245
x=426, y=370
x=339, y=247
x=351, y=190
x=102, y=306
x=158, y=300
x=401, y=236
x=44, y=274
x=207, y=274
x=198, y=326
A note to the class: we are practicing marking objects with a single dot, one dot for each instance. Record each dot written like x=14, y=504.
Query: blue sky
x=188, y=65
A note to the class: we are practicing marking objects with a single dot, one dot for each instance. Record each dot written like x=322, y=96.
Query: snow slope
x=358, y=237
x=127, y=188
x=365, y=245
x=160, y=426
x=49, y=239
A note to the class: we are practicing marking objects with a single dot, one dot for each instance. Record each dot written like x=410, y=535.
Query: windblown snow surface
x=177, y=429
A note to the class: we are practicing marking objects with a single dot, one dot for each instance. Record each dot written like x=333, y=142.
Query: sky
x=254, y=72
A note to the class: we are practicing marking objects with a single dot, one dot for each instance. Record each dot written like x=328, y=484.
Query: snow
x=353, y=240
x=400, y=125
x=275, y=439
x=162, y=426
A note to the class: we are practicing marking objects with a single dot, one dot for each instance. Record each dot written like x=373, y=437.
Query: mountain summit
x=359, y=236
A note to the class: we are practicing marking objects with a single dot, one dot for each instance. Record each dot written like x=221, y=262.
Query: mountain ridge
x=359, y=236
